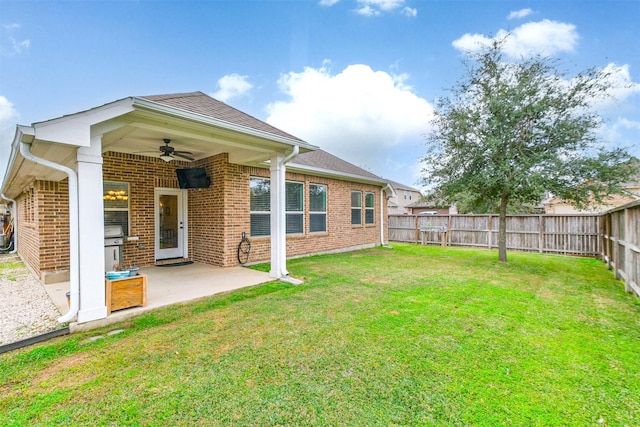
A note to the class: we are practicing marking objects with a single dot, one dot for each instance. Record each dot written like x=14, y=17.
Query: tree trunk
x=502, y=229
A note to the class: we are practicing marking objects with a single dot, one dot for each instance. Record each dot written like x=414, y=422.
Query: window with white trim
x=356, y=207
x=260, y=206
x=317, y=208
x=369, y=208
x=115, y=198
x=294, y=196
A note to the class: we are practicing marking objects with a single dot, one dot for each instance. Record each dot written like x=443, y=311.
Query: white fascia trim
x=334, y=174
x=75, y=129
x=165, y=109
x=125, y=102
x=390, y=191
x=23, y=133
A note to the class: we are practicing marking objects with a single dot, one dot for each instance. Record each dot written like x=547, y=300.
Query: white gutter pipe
x=74, y=252
x=14, y=217
x=294, y=153
x=382, y=198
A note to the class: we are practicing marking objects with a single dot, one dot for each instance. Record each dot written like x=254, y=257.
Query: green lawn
x=405, y=336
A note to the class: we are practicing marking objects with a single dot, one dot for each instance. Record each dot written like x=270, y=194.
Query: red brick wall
x=28, y=237
x=340, y=233
x=143, y=175
x=43, y=227
x=208, y=214
x=217, y=215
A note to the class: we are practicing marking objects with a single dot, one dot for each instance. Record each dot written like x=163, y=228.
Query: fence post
x=627, y=251
x=540, y=233
x=490, y=231
x=449, y=222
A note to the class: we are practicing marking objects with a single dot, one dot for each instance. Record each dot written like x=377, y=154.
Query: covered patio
x=167, y=286
x=73, y=162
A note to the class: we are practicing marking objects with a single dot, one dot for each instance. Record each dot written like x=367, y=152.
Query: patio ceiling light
x=167, y=158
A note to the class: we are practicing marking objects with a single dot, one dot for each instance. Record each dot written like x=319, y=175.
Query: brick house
x=70, y=177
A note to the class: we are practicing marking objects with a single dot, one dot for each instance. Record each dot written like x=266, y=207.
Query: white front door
x=171, y=224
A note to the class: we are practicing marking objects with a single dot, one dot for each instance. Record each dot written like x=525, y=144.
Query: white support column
x=278, y=218
x=91, y=232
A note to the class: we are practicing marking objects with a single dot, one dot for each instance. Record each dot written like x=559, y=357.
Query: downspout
x=14, y=217
x=74, y=253
x=294, y=153
x=382, y=198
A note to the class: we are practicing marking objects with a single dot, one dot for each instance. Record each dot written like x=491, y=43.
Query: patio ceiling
x=142, y=133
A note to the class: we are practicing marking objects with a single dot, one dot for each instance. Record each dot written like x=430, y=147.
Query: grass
x=405, y=336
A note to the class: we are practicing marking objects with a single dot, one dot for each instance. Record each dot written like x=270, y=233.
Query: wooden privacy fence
x=621, y=244
x=613, y=236
x=560, y=234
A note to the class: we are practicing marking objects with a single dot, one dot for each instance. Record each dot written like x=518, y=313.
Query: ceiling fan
x=168, y=152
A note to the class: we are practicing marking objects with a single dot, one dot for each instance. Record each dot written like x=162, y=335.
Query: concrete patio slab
x=168, y=286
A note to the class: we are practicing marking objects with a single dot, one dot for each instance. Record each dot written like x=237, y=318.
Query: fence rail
x=613, y=236
x=561, y=234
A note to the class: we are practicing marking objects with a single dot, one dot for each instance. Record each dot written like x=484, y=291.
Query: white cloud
x=19, y=46
x=361, y=115
x=519, y=14
x=328, y=2
x=8, y=120
x=13, y=46
x=8, y=114
x=377, y=7
x=367, y=11
x=622, y=85
x=410, y=11
x=544, y=37
x=623, y=133
x=232, y=86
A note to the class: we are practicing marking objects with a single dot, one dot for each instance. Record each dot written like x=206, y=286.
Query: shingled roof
x=322, y=160
x=399, y=186
x=200, y=103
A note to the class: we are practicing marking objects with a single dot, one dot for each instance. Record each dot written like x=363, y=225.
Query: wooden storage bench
x=126, y=292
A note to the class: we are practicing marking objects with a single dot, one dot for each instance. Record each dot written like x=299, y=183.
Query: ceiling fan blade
x=183, y=152
x=178, y=154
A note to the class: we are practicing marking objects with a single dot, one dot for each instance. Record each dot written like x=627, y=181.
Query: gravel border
x=26, y=310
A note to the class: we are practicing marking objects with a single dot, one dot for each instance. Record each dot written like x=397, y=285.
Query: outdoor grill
x=113, y=240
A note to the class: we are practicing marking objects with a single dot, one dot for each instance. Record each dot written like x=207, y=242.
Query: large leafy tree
x=512, y=130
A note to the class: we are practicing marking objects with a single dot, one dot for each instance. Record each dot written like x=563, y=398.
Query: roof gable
x=399, y=186
x=200, y=103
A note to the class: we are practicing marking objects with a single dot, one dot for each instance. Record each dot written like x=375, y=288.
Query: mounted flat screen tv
x=193, y=178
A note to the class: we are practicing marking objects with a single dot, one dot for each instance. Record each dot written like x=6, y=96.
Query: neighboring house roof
x=319, y=161
x=398, y=186
x=610, y=202
x=200, y=103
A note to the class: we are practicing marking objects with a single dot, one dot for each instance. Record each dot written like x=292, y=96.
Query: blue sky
x=358, y=78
